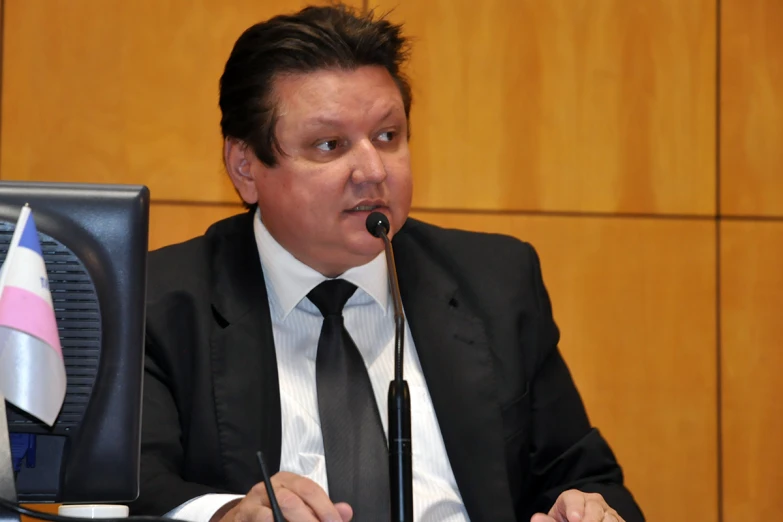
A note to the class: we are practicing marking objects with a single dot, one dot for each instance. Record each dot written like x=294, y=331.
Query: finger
x=612, y=516
x=293, y=507
x=249, y=509
x=264, y=514
x=570, y=506
x=312, y=495
x=346, y=511
x=252, y=511
x=540, y=517
x=594, y=511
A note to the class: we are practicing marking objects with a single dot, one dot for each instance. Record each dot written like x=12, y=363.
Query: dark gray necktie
x=357, y=459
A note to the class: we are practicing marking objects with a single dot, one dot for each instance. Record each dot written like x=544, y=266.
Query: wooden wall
x=637, y=144
x=751, y=257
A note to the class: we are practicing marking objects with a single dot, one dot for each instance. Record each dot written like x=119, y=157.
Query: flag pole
x=7, y=481
x=23, y=217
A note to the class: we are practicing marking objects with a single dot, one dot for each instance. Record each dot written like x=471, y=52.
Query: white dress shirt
x=369, y=318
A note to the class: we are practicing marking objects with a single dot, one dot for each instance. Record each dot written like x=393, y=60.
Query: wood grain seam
x=567, y=213
x=532, y=213
x=742, y=217
x=194, y=203
x=718, y=218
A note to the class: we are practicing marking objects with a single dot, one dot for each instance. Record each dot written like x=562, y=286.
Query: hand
x=300, y=500
x=575, y=506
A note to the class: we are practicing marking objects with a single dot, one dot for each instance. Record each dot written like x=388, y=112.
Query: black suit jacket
x=513, y=423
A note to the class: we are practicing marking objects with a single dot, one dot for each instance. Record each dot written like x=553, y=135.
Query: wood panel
x=752, y=335
x=173, y=223
x=751, y=106
x=121, y=91
x=594, y=105
x=635, y=302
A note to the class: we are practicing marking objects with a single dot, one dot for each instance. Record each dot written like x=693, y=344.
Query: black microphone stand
x=400, y=460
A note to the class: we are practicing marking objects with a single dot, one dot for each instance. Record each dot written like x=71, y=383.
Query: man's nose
x=368, y=166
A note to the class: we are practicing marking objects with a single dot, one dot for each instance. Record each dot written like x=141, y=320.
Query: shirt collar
x=290, y=280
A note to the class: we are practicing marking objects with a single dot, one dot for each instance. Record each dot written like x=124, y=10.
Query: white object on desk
x=93, y=510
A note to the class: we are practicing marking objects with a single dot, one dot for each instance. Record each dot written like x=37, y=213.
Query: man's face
x=345, y=153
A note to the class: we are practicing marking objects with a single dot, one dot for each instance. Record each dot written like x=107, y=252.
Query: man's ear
x=238, y=158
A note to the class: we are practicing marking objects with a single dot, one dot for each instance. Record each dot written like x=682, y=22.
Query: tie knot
x=331, y=295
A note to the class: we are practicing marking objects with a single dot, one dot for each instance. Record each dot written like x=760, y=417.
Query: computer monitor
x=94, y=240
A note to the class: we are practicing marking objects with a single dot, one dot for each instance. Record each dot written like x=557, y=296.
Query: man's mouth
x=364, y=208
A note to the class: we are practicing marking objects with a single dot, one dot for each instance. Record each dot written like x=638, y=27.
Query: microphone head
x=377, y=223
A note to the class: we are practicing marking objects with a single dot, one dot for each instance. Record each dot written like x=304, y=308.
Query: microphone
x=400, y=467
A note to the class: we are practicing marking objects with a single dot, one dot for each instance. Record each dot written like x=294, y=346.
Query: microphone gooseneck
x=378, y=226
x=400, y=452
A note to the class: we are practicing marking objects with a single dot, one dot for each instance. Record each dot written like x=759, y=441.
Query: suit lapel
x=247, y=396
x=456, y=361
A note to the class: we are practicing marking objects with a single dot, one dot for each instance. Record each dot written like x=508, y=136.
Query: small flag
x=32, y=372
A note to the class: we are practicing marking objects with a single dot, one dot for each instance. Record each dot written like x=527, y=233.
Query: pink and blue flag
x=32, y=372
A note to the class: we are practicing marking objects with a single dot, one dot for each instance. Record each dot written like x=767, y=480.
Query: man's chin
x=366, y=249
x=349, y=258
x=369, y=251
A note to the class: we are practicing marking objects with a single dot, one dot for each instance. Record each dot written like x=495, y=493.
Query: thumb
x=346, y=512
x=540, y=517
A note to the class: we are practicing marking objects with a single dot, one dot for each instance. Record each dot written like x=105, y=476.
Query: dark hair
x=328, y=37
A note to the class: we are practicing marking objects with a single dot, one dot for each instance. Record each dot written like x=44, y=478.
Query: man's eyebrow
x=326, y=121
x=322, y=121
x=388, y=113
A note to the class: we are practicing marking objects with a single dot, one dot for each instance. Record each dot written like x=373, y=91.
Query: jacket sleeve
x=162, y=487
x=566, y=452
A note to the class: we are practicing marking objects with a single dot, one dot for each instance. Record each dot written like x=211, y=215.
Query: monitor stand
x=7, y=483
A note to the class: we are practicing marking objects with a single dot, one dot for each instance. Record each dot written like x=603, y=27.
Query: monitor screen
x=94, y=243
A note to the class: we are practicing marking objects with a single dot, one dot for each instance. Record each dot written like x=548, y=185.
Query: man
x=241, y=340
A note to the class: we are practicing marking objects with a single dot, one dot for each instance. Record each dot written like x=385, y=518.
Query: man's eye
x=327, y=145
x=387, y=136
